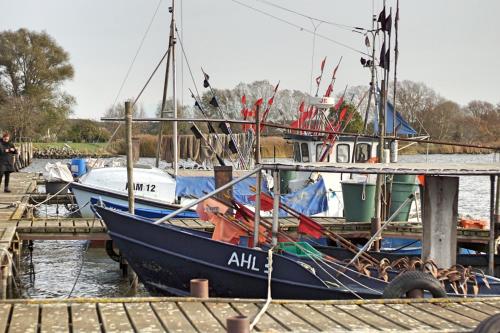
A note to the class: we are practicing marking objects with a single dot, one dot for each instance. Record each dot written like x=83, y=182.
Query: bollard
x=199, y=288
x=238, y=324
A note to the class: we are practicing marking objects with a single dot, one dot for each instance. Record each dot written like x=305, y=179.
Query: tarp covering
x=57, y=172
x=309, y=201
x=199, y=186
x=402, y=127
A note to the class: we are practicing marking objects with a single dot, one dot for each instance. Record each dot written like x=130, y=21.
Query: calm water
x=54, y=268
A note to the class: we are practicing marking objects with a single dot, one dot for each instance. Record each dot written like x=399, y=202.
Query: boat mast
x=174, y=95
x=165, y=89
x=170, y=55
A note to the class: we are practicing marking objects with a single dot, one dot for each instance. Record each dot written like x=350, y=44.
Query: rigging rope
x=301, y=28
x=338, y=25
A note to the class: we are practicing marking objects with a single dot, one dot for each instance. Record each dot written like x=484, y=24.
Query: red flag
x=342, y=114
x=301, y=107
x=323, y=64
x=295, y=124
x=266, y=202
x=339, y=103
x=329, y=90
x=243, y=100
x=309, y=227
x=259, y=102
x=271, y=101
x=335, y=70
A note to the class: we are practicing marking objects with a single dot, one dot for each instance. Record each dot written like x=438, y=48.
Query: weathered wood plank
x=172, y=318
x=200, y=317
x=4, y=316
x=84, y=318
x=463, y=310
x=266, y=322
x=55, y=318
x=24, y=318
x=288, y=318
x=221, y=311
x=397, y=317
x=340, y=317
x=312, y=316
x=371, y=318
x=483, y=307
x=425, y=317
x=114, y=318
x=143, y=317
x=441, y=311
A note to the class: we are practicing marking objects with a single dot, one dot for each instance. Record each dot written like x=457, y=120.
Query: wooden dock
x=209, y=315
x=82, y=228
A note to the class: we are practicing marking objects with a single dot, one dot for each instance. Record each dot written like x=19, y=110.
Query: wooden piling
x=130, y=157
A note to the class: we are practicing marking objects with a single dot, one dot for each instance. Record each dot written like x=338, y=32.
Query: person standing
x=7, y=156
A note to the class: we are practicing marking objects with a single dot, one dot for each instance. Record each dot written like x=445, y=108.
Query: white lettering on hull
x=244, y=260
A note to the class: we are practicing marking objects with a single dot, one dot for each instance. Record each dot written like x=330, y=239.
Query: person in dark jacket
x=7, y=155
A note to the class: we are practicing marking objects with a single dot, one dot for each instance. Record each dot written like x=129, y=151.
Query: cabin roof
x=436, y=169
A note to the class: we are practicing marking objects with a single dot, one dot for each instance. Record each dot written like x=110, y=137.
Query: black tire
x=111, y=251
x=412, y=280
x=490, y=325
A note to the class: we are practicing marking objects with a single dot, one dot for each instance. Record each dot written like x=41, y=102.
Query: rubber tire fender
x=111, y=251
x=489, y=325
x=411, y=280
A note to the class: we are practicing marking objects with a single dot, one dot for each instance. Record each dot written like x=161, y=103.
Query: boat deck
x=209, y=315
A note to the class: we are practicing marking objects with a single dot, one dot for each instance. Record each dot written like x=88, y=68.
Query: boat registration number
x=246, y=261
x=142, y=187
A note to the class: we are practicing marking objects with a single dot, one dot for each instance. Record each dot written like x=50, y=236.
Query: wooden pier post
x=439, y=220
x=238, y=324
x=130, y=157
x=493, y=222
x=223, y=174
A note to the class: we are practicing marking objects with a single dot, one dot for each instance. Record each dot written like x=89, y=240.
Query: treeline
x=431, y=114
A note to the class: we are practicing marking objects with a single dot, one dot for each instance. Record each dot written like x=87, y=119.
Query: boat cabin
x=310, y=148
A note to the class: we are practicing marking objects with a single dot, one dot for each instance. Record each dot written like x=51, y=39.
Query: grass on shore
x=80, y=147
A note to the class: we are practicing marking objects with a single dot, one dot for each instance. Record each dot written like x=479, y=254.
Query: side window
x=305, y=152
x=343, y=153
x=296, y=152
x=319, y=151
x=363, y=152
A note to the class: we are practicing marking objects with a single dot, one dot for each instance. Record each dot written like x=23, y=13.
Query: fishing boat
x=165, y=265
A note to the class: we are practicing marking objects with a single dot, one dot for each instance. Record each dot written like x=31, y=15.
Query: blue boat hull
x=166, y=258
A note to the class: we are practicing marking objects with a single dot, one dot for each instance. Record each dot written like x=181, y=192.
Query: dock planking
x=175, y=314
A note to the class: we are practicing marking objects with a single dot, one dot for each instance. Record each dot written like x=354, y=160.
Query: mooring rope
x=79, y=270
x=269, y=298
x=49, y=197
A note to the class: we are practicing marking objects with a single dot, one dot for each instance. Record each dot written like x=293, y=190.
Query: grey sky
x=453, y=46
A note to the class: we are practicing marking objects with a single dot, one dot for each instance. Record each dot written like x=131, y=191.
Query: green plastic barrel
x=285, y=177
x=410, y=179
x=359, y=201
x=400, y=192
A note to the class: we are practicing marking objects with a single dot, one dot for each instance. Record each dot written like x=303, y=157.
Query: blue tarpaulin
x=310, y=200
x=199, y=186
x=402, y=127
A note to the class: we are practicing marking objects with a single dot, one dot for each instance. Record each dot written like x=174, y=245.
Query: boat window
x=343, y=153
x=305, y=152
x=363, y=151
x=296, y=152
x=319, y=150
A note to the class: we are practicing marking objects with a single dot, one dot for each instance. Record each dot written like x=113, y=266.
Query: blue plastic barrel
x=78, y=167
